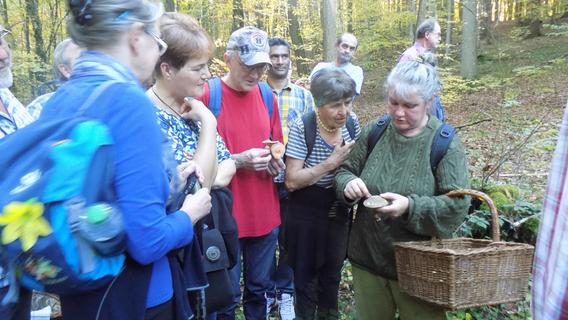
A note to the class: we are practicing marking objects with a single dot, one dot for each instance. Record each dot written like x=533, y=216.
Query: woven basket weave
x=463, y=273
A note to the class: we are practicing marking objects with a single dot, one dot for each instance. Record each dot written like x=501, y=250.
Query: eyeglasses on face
x=258, y=68
x=162, y=46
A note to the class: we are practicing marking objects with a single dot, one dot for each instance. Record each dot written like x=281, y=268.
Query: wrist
x=237, y=159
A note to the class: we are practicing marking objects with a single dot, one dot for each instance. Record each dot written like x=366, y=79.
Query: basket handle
x=482, y=196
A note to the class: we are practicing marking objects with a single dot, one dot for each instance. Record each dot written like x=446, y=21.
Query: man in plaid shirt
x=550, y=272
x=293, y=102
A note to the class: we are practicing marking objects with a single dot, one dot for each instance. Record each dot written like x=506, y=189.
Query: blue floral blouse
x=183, y=136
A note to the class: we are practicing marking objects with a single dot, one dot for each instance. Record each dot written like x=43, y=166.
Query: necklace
x=326, y=129
x=164, y=103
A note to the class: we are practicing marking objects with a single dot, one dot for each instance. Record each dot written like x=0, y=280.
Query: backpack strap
x=310, y=127
x=215, y=96
x=95, y=95
x=350, y=124
x=440, y=145
x=376, y=133
x=267, y=97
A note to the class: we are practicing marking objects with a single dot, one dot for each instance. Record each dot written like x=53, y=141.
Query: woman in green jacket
x=398, y=169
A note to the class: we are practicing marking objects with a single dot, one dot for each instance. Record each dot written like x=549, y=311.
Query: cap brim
x=257, y=58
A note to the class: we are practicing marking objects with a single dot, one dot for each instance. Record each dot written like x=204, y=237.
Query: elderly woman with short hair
x=398, y=169
x=317, y=225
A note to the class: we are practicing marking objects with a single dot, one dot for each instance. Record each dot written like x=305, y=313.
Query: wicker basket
x=463, y=273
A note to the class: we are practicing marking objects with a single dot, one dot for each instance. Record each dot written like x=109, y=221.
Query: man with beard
x=13, y=116
x=293, y=102
x=346, y=46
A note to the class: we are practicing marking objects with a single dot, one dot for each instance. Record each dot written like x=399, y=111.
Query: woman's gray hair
x=414, y=77
x=98, y=23
x=331, y=84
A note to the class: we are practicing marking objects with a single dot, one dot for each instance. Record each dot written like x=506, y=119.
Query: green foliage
x=557, y=30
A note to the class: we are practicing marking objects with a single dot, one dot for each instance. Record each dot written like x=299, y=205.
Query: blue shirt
x=141, y=183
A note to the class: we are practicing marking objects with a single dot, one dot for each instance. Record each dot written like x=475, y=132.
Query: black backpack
x=444, y=136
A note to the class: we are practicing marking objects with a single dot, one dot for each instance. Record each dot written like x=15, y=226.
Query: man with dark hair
x=346, y=47
x=64, y=56
x=245, y=121
x=13, y=116
x=428, y=36
x=293, y=102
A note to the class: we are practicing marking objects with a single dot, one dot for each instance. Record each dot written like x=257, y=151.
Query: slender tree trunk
x=412, y=26
x=5, y=12
x=449, y=26
x=32, y=13
x=238, y=15
x=486, y=24
x=297, y=40
x=349, y=15
x=329, y=16
x=421, y=16
x=468, y=67
x=170, y=6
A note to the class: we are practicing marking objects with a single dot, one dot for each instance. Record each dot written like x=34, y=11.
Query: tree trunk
x=32, y=13
x=238, y=15
x=297, y=40
x=170, y=6
x=350, y=16
x=468, y=67
x=5, y=13
x=412, y=25
x=486, y=24
x=328, y=18
x=449, y=26
x=421, y=16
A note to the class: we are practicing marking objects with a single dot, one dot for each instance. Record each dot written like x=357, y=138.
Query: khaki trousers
x=378, y=298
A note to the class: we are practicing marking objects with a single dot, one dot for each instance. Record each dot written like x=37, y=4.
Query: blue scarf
x=95, y=63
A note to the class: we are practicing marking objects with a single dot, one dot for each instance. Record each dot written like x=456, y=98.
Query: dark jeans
x=258, y=267
x=16, y=311
x=284, y=275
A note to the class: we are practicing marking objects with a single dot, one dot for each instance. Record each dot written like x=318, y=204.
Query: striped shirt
x=35, y=107
x=550, y=270
x=297, y=148
x=17, y=116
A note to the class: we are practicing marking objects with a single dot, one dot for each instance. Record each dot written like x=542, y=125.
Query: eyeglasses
x=162, y=46
x=258, y=68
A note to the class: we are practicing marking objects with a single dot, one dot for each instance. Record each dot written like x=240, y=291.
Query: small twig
x=473, y=123
x=525, y=219
x=512, y=151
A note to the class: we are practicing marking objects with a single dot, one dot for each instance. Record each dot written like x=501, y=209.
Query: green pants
x=378, y=298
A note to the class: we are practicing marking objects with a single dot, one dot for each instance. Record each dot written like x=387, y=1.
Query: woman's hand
x=340, y=153
x=185, y=169
x=397, y=207
x=195, y=110
x=356, y=189
x=197, y=205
